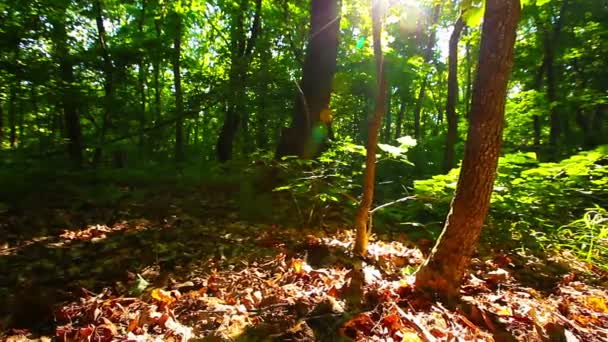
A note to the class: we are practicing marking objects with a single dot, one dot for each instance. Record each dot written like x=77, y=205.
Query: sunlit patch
x=405, y=12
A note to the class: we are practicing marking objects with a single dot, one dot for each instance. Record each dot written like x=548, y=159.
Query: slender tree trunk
x=444, y=270
x=142, y=84
x=156, y=70
x=388, y=123
x=551, y=45
x=369, y=179
x=1, y=123
x=177, y=83
x=12, y=114
x=308, y=134
x=242, y=50
x=108, y=81
x=71, y=118
x=400, y=114
x=469, y=85
x=428, y=54
x=449, y=160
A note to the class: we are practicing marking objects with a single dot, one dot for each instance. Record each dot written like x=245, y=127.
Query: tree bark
x=108, y=70
x=428, y=54
x=308, y=133
x=71, y=116
x=444, y=270
x=400, y=114
x=177, y=83
x=551, y=44
x=389, y=118
x=141, y=77
x=449, y=160
x=1, y=123
x=242, y=50
x=362, y=218
x=12, y=113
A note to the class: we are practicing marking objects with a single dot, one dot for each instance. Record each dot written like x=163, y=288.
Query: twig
x=423, y=332
x=391, y=203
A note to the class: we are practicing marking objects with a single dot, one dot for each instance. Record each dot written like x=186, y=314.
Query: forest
x=304, y=170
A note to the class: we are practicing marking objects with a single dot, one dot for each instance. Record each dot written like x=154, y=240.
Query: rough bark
x=108, y=84
x=428, y=54
x=242, y=50
x=443, y=271
x=449, y=160
x=362, y=217
x=177, y=83
x=308, y=133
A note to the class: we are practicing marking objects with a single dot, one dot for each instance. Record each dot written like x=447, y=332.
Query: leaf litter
x=190, y=277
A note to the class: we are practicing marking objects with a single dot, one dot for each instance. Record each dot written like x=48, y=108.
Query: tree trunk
x=1, y=124
x=401, y=114
x=444, y=270
x=156, y=70
x=362, y=218
x=308, y=134
x=108, y=84
x=469, y=85
x=428, y=54
x=71, y=117
x=242, y=50
x=388, y=123
x=551, y=42
x=449, y=160
x=142, y=84
x=12, y=113
x=177, y=82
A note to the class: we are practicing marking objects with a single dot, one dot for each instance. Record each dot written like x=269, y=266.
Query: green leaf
x=473, y=15
x=360, y=43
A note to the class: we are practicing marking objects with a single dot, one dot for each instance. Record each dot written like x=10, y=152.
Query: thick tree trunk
x=369, y=179
x=449, y=160
x=177, y=83
x=108, y=85
x=428, y=54
x=242, y=50
x=308, y=133
x=444, y=270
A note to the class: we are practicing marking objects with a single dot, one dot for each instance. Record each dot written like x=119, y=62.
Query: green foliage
x=588, y=236
x=545, y=200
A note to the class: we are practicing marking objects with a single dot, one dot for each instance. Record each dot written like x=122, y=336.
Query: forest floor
x=172, y=263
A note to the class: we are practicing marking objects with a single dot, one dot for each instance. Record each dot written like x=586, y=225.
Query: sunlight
x=406, y=12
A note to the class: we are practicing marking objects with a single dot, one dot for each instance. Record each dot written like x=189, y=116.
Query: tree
x=68, y=96
x=428, y=54
x=310, y=127
x=177, y=82
x=369, y=178
x=444, y=269
x=452, y=134
x=108, y=83
x=241, y=51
